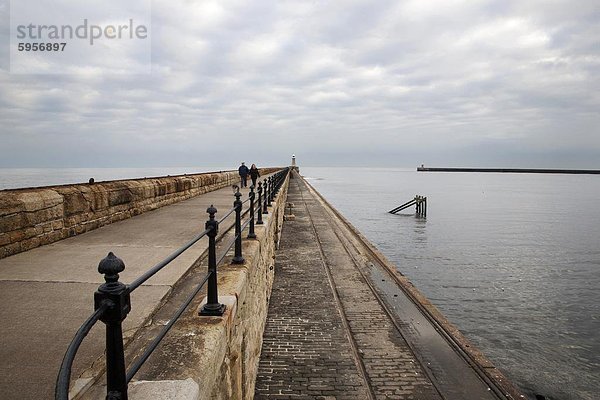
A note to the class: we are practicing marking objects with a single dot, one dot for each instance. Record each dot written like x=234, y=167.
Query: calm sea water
x=513, y=260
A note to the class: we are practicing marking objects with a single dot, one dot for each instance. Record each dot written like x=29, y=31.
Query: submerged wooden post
x=421, y=206
x=418, y=200
x=420, y=203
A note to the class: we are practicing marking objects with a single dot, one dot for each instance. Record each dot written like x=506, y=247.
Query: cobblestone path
x=327, y=337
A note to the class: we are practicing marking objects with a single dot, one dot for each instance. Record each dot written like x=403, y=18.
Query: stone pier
x=314, y=312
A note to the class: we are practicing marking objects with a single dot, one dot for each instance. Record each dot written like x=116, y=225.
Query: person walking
x=254, y=174
x=243, y=171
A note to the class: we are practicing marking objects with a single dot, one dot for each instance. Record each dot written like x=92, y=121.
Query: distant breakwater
x=512, y=170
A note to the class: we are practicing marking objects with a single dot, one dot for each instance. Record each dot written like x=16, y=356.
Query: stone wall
x=34, y=217
x=221, y=354
x=218, y=356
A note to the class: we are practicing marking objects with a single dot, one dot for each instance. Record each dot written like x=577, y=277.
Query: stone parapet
x=219, y=354
x=34, y=217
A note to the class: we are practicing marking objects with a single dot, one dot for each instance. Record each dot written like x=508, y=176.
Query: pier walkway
x=46, y=292
x=338, y=327
x=342, y=323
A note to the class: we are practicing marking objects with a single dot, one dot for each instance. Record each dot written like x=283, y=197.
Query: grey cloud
x=513, y=81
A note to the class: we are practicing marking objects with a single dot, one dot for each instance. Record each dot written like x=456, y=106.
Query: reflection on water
x=512, y=259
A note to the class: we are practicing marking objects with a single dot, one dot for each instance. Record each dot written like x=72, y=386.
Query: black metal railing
x=112, y=299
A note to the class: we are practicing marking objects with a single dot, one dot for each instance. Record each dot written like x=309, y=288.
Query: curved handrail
x=64, y=374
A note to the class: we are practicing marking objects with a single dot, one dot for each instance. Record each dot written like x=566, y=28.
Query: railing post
x=274, y=187
x=266, y=196
x=251, y=234
x=117, y=295
x=237, y=258
x=270, y=196
x=259, y=221
x=212, y=306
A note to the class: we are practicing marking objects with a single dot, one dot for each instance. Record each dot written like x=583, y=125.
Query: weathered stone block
x=12, y=222
x=119, y=195
x=57, y=224
x=171, y=186
x=74, y=201
x=137, y=190
x=182, y=184
x=91, y=225
x=43, y=215
x=11, y=249
x=19, y=235
x=4, y=239
x=47, y=227
x=39, y=199
x=9, y=203
x=119, y=209
x=73, y=220
x=57, y=235
x=101, y=214
x=146, y=190
x=97, y=198
x=117, y=217
x=29, y=244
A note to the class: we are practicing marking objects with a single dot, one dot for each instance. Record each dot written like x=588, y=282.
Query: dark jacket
x=254, y=174
x=243, y=170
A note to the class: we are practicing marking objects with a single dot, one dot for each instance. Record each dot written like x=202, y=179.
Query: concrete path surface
x=333, y=332
x=46, y=293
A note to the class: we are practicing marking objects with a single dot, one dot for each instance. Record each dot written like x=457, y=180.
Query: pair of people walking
x=244, y=171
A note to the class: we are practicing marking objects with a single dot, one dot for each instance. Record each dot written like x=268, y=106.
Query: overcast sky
x=445, y=83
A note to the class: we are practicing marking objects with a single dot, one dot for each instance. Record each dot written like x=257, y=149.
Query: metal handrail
x=134, y=368
x=245, y=224
x=64, y=375
x=231, y=210
x=112, y=302
x=232, y=241
x=148, y=274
